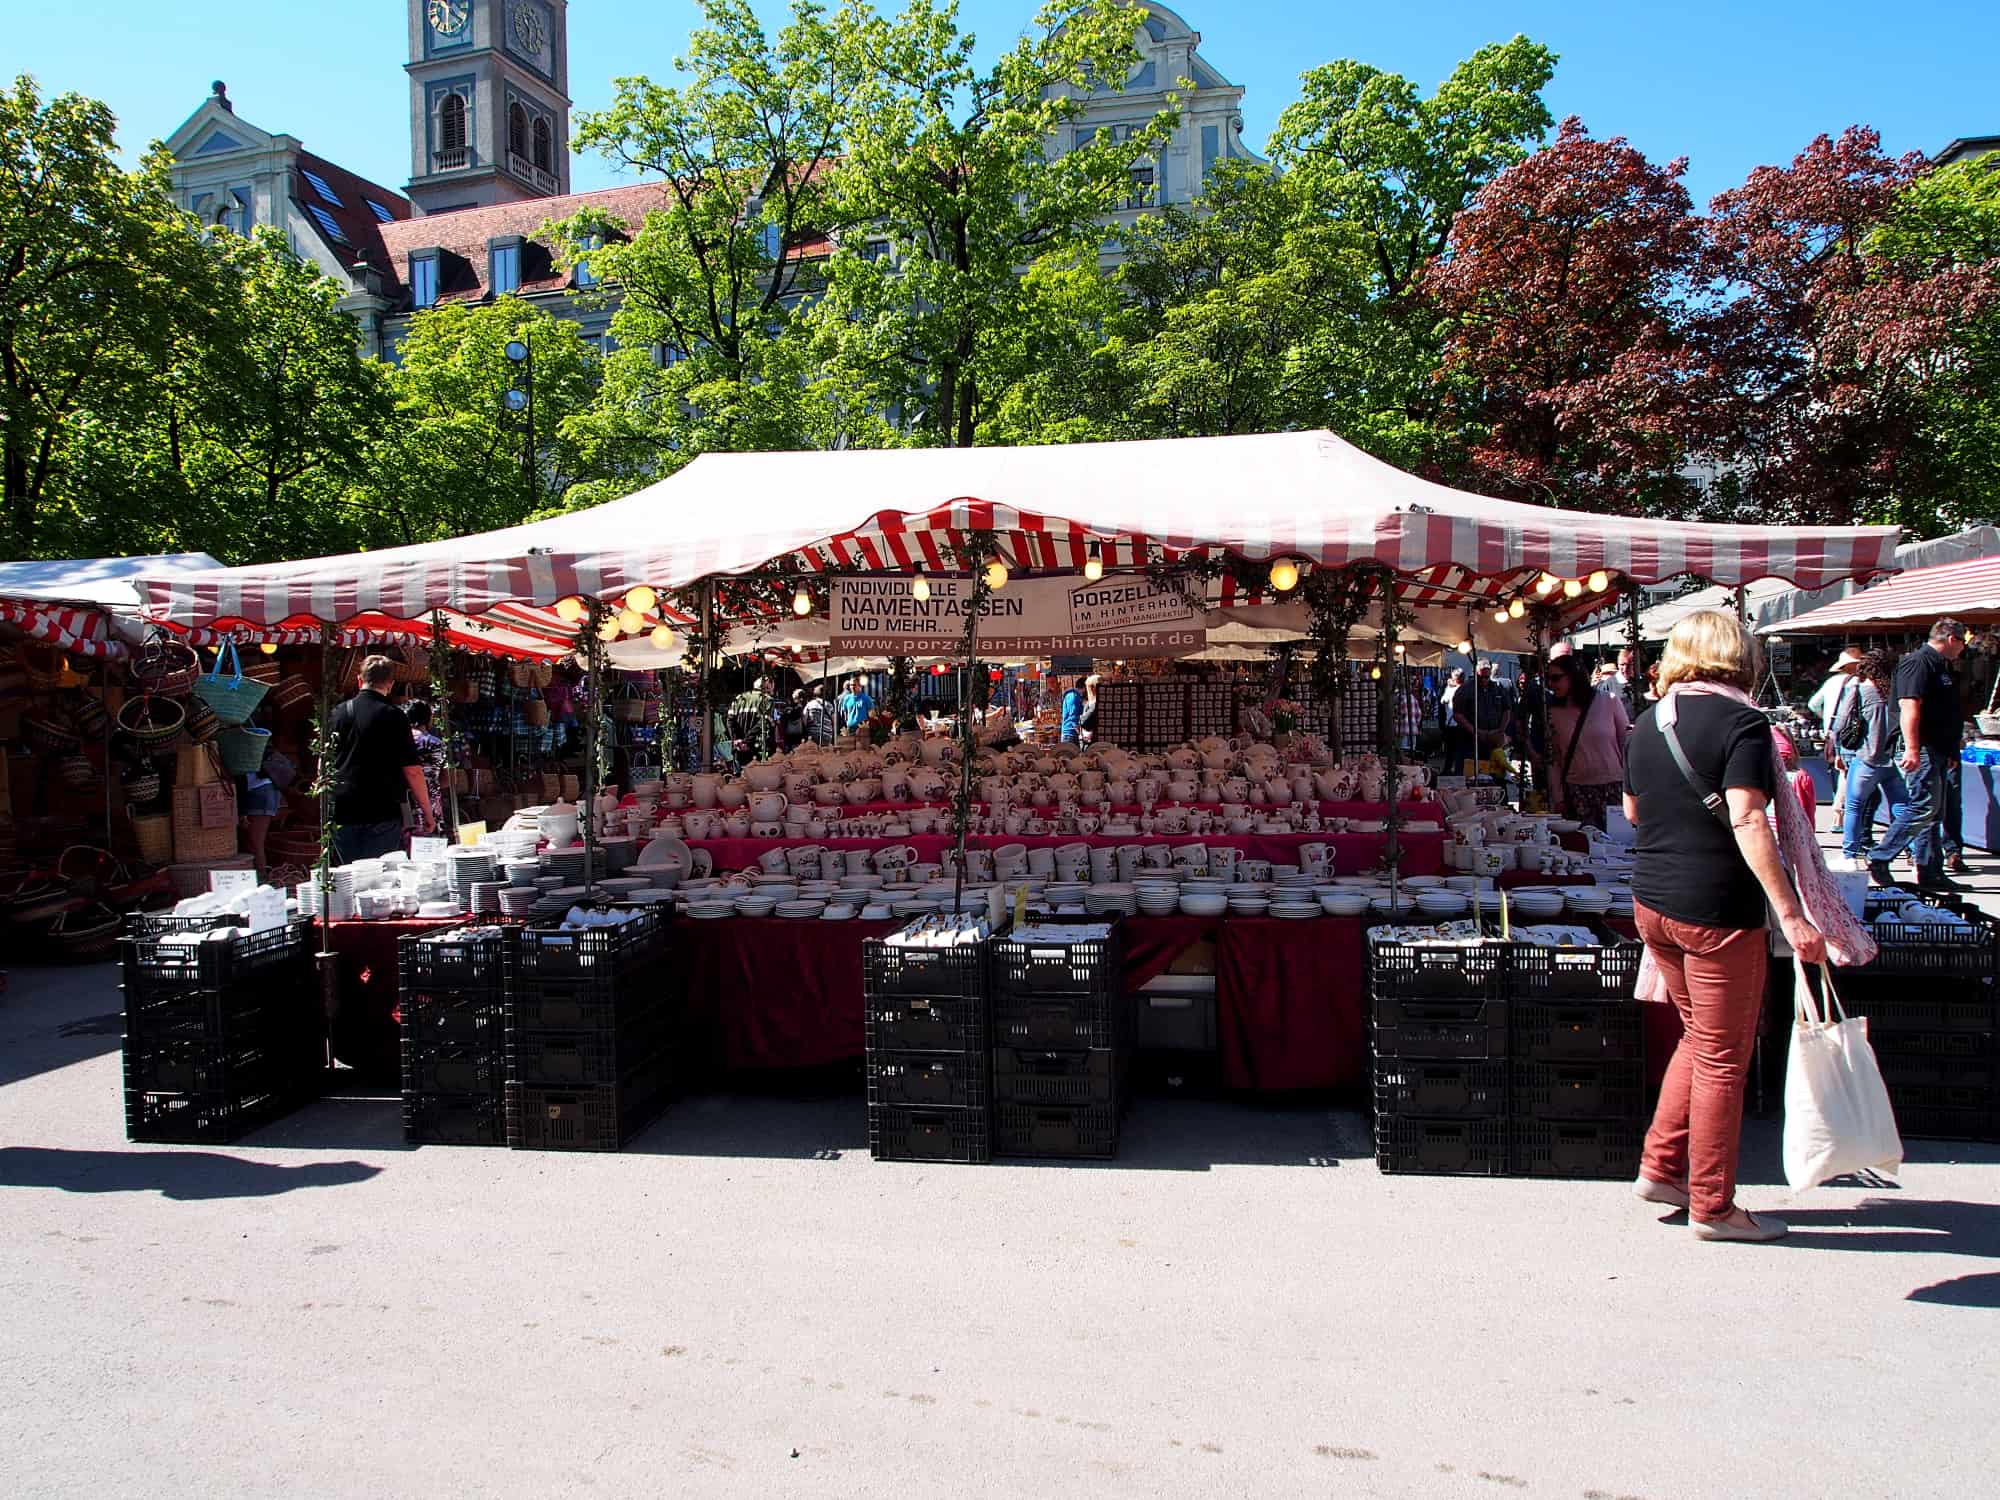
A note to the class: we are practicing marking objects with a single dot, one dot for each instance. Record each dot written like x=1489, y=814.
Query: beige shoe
x=1671, y=1194
x=1757, y=1229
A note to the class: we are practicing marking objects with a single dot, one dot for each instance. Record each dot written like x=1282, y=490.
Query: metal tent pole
x=706, y=737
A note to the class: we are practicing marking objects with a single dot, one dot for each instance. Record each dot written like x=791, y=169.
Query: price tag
x=265, y=908
x=428, y=848
x=471, y=833
x=229, y=882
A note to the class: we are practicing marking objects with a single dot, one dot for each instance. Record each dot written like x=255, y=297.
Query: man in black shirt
x=1926, y=688
x=1484, y=712
x=375, y=764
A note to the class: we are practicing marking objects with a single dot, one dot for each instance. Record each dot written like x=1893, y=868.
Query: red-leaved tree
x=1564, y=292
x=1826, y=338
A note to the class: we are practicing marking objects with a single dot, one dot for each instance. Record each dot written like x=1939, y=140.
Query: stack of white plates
x=1291, y=879
x=568, y=863
x=1423, y=882
x=516, y=901
x=1113, y=898
x=799, y=908
x=1339, y=903
x=1441, y=905
x=438, y=909
x=1534, y=903
x=1400, y=910
x=1248, y=901
x=1204, y=903
x=485, y=897
x=621, y=886
x=1588, y=900
x=837, y=912
x=907, y=908
x=874, y=911
x=710, y=910
x=510, y=844
x=652, y=895
x=1465, y=882
x=1294, y=909
x=750, y=904
x=862, y=881
x=1158, y=898
x=1064, y=892
x=522, y=872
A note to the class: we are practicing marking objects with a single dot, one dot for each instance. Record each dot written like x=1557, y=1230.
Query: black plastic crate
x=546, y=953
x=1440, y=1027
x=1917, y=1123
x=280, y=1060
x=1089, y=966
x=1026, y=1075
x=1578, y=1090
x=1895, y=1004
x=206, y=1118
x=146, y=924
x=1935, y=949
x=598, y=1118
x=898, y=1132
x=445, y=1068
x=1443, y=1088
x=158, y=959
x=476, y=1018
x=1454, y=1148
x=1577, y=1031
x=455, y=1119
x=468, y=962
x=1056, y=1130
x=1059, y=1021
x=1939, y=1097
x=934, y=973
x=944, y=1080
x=1426, y=970
x=1577, y=1148
x=1607, y=972
x=608, y=999
x=573, y=1059
x=285, y=999
x=925, y=1023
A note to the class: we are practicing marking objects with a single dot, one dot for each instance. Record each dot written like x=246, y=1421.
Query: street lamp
x=521, y=398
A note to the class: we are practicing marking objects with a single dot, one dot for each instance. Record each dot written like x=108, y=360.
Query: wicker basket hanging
x=88, y=715
x=166, y=668
x=155, y=723
x=78, y=773
x=202, y=724
x=290, y=695
x=142, y=785
x=232, y=697
x=46, y=668
x=48, y=735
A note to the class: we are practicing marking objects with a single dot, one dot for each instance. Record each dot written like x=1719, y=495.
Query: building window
x=319, y=186
x=544, y=145
x=382, y=214
x=423, y=280
x=328, y=225
x=1211, y=148
x=583, y=275
x=451, y=150
x=517, y=130
x=875, y=250
x=503, y=269
x=1142, y=188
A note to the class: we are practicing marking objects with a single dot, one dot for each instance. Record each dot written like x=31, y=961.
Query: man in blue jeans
x=1926, y=689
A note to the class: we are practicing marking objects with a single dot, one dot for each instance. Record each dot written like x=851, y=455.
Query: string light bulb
x=608, y=631
x=1572, y=589
x=920, y=587
x=1093, y=566
x=1401, y=648
x=1500, y=617
x=662, y=637
x=630, y=621
x=802, y=602
x=1376, y=673
x=570, y=610
x=269, y=648
x=1465, y=648
x=1284, y=575
x=1599, y=581
x=1515, y=609
x=996, y=574
x=1547, y=583
x=643, y=598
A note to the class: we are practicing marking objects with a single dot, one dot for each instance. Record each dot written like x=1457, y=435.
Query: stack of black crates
x=1930, y=1001
x=589, y=1031
x=221, y=1036
x=926, y=1023
x=1061, y=1042
x=453, y=1000
x=1507, y=1058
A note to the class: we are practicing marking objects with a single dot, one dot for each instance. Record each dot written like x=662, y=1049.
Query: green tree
x=96, y=267
x=949, y=193
x=459, y=458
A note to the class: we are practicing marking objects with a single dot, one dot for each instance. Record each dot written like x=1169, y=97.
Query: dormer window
x=424, y=279
x=503, y=267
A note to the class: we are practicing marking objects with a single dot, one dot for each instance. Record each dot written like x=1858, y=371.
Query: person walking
x=430, y=750
x=1872, y=773
x=1588, y=728
x=855, y=706
x=1086, y=714
x=750, y=722
x=1700, y=783
x=1072, y=709
x=1929, y=718
x=822, y=720
x=375, y=766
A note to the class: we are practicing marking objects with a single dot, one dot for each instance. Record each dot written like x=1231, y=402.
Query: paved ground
x=745, y=1304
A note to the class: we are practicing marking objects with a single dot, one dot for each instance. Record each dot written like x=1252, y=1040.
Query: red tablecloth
x=1412, y=811
x=1423, y=853
x=1153, y=943
x=775, y=993
x=364, y=1030
x=1289, y=1003
x=1511, y=879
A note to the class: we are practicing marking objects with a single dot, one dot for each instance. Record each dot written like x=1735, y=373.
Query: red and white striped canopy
x=1303, y=494
x=1969, y=591
x=75, y=628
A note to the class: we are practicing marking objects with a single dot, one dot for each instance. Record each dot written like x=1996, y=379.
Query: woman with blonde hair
x=1701, y=781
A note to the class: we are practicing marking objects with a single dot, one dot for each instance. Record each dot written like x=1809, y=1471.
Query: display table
x=770, y=992
x=364, y=1030
x=1290, y=1000
x=1423, y=853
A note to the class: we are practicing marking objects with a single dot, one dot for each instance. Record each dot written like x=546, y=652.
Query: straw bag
x=153, y=837
x=233, y=698
x=204, y=821
x=243, y=749
x=166, y=668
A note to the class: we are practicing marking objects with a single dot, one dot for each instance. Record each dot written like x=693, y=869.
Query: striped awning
x=70, y=627
x=1306, y=495
x=1969, y=591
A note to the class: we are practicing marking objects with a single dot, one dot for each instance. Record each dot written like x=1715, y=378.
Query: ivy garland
x=1336, y=600
x=440, y=665
x=323, y=751
x=979, y=549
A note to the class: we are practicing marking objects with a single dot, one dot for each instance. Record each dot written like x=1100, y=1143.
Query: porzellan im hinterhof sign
x=1120, y=616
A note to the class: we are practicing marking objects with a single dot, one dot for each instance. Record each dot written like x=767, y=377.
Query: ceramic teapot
x=764, y=775
x=732, y=793
x=706, y=788
x=769, y=807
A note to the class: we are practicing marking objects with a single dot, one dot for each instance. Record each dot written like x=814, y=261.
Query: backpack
x=1851, y=733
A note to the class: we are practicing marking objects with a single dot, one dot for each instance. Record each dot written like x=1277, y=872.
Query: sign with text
x=1123, y=615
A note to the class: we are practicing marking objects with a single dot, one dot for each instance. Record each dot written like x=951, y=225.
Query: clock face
x=531, y=29
x=449, y=17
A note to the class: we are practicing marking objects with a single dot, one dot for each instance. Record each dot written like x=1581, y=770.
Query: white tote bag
x=1837, y=1114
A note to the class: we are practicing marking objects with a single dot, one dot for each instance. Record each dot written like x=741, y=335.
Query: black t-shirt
x=1926, y=676
x=1688, y=864
x=371, y=746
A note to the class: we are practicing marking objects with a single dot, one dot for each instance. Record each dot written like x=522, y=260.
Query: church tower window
x=517, y=130
x=543, y=151
x=451, y=131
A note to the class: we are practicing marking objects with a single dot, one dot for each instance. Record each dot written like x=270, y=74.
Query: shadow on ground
x=187, y=1176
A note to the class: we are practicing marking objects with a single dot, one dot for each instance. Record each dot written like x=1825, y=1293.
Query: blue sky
x=1730, y=86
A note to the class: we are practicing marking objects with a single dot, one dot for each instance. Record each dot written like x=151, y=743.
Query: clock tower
x=489, y=102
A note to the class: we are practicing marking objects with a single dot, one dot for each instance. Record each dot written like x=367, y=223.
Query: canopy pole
x=705, y=739
x=967, y=739
x=327, y=961
x=593, y=670
x=1635, y=692
x=440, y=662
x=1388, y=713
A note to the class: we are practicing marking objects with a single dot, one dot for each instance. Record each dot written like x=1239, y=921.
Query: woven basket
x=142, y=784
x=46, y=668
x=166, y=668
x=88, y=714
x=156, y=723
x=242, y=749
x=83, y=934
x=232, y=698
x=290, y=694
x=153, y=837
x=202, y=724
x=193, y=840
x=189, y=877
x=291, y=847
x=264, y=669
x=48, y=736
x=78, y=773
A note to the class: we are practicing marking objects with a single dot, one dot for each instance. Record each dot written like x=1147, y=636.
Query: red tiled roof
x=463, y=235
x=355, y=218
